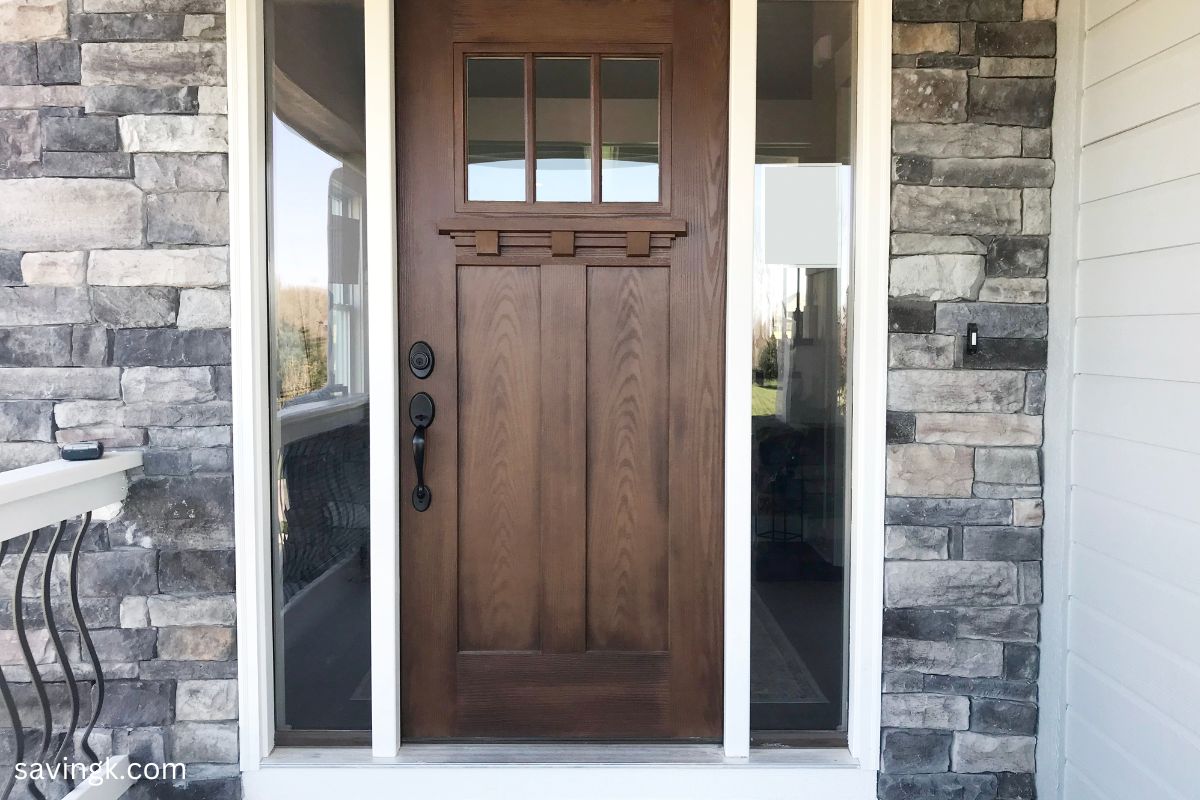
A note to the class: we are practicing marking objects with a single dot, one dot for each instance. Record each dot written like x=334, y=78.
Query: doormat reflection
x=777, y=672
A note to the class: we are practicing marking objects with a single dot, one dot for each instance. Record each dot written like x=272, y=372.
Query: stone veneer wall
x=973, y=96
x=114, y=325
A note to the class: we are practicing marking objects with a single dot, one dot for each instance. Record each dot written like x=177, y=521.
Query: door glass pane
x=629, y=128
x=802, y=270
x=495, y=128
x=563, y=127
x=319, y=383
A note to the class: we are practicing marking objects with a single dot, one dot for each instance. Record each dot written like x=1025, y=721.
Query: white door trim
x=836, y=773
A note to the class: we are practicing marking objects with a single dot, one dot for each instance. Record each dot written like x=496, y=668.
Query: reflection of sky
x=299, y=208
x=564, y=180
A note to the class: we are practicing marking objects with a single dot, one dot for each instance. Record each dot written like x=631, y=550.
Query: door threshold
x=559, y=754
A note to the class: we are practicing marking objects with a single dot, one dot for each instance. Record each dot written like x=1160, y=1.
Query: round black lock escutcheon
x=420, y=360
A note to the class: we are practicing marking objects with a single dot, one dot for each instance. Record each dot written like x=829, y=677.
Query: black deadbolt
x=420, y=359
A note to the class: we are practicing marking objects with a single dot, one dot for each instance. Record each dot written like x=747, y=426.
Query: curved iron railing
x=45, y=727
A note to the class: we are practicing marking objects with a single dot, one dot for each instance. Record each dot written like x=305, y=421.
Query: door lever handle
x=420, y=413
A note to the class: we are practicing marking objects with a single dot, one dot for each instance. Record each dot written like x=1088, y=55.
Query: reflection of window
x=347, y=281
x=595, y=135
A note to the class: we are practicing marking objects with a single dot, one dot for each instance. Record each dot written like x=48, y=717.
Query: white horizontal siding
x=1132, y=710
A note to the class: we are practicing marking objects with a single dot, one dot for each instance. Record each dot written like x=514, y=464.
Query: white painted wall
x=1124, y=637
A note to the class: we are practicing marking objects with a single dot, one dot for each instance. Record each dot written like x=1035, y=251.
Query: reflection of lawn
x=762, y=399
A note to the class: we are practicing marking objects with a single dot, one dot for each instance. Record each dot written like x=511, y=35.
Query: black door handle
x=420, y=412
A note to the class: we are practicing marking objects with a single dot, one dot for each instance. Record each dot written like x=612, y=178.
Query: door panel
x=565, y=582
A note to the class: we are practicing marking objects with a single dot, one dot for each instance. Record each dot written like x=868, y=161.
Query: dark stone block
x=166, y=462
x=946, y=61
x=187, y=670
x=10, y=268
x=89, y=346
x=196, y=499
x=86, y=165
x=58, y=62
x=995, y=320
x=196, y=571
x=1003, y=717
x=1021, y=662
x=98, y=612
x=1007, y=354
x=982, y=687
x=142, y=100
x=919, y=623
x=911, y=316
x=126, y=27
x=901, y=427
x=1018, y=257
x=1016, y=786
x=946, y=511
x=118, y=572
x=132, y=704
x=946, y=786
x=1035, y=393
x=80, y=134
x=123, y=645
x=957, y=10
x=910, y=752
x=18, y=64
x=223, y=382
x=1029, y=39
x=1028, y=102
x=168, y=347
x=36, y=346
x=912, y=169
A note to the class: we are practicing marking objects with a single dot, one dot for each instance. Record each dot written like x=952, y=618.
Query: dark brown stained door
x=565, y=581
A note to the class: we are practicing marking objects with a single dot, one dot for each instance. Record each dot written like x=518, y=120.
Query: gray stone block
x=194, y=266
x=1028, y=102
x=169, y=347
x=77, y=413
x=916, y=543
x=167, y=385
x=161, y=6
x=911, y=316
x=204, y=133
x=58, y=62
x=1007, y=354
x=187, y=670
x=1030, y=38
x=982, y=687
x=911, y=169
x=956, y=390
x=995, y=320
x=1015, y=465
x=104, y=214
x=154, y=64
x=968, y=658
x=1037, y=142
x=41, y=346
x=957, y=10
x=1017, y=624
x=903, y=682
x=930, y=624
x=1001, y=543
x=956, y=210
x=199, y=438
x=913, y=244
x=80, y=134
x=174, y=172
x=90, y=346
x=908, y=752
x=206, y=700
x=14, y=455
x=1021, y=663
x=55, y=383
x=977, y=752
x=20, y=143
x=1018, y=257
x=18, y=64
x=117, y=572
x=1014, y=290
x=956, y=141
x=929, y=470
x=86, y=165
x=43, y=305
x=936, y=277
x=901, y=427
x=926, y=711
x=914, y=584
x=929, y=95
x=1035, y=393
x=196, y=571
x=947, y=511
x=978, y=429
x=1017, y=173
x=945, y=786
x=921, y=351
x=188, y=218
x=204, y=308
x=1003, y=717
x=25, y=421
x=10, y=265
x=1030, y=579
x=140, y=100
x=207, y=742
x=144, y=745
x=168, y=611
x=168, y=414
x=127, y=27
x=166, y=462
x=196, y=643
x=1016, y=786
x=110, y=436
x=124, y=644
x=137, y=703
x=135, y=306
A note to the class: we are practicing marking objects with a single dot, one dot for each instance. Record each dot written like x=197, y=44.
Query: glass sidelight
x=319, y=382
x=801, y=396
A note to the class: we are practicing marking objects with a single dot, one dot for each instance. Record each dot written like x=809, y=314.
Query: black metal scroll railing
x=53, y=742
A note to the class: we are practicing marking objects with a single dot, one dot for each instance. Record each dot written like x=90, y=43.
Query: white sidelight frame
x=567, y=771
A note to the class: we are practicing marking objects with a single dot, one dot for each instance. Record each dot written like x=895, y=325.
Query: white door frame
x=660, y=771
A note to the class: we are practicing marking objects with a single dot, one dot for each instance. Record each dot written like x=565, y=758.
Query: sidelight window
x=563, y=132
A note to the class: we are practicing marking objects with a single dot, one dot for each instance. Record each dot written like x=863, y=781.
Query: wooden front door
x=562, y=168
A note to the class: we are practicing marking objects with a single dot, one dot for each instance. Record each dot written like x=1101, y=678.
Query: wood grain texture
x=628, y=446
x=499, y=366
x=566, y=21
x=564, y=457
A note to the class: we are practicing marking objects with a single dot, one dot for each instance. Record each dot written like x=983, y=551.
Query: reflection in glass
x=802, y=268
x=629, y=130
x=495, y=126
x=321, y=542
x=563, y=126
